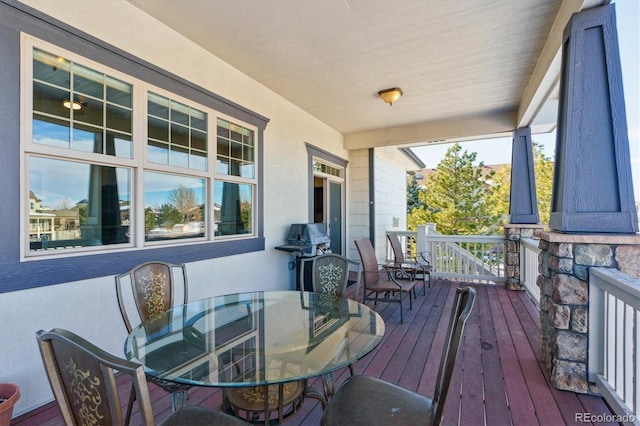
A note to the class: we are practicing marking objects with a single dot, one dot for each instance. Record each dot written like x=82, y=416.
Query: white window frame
x=238, y=179
x=138, y=164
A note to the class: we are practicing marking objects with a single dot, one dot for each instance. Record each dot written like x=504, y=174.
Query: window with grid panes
x=85, y=164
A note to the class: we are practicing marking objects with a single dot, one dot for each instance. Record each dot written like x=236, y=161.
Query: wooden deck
x=500, y=379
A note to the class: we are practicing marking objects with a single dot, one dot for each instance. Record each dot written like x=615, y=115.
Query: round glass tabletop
x=256, y=338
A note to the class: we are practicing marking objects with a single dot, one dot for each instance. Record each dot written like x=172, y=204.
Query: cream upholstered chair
x=82, y=377
x=365, y=400
x=376, y=283
x=406, y=267
x=145, y=292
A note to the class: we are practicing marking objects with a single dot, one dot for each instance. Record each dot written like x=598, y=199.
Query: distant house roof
x=423, y=175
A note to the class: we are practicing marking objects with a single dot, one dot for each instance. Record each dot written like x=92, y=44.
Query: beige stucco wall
x=89, y=308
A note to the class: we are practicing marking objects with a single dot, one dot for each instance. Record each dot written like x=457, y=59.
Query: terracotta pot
x=9, y=394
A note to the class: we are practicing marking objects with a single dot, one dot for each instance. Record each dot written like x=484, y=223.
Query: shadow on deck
x=500, y=378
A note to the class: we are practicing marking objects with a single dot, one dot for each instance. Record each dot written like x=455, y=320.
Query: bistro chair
x=330, y=277
x=82, y=377
x=376, y=282
x=330, y=274
x=366, y=400
x=409, y=267
x=145, y=292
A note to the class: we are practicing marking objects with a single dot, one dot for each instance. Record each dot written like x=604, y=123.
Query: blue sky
x=498, y=151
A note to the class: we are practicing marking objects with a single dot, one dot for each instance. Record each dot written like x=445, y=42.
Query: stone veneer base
x=564, y=263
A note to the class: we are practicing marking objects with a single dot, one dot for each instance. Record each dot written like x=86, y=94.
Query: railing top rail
x=466, y=238
x=404, y=233
x=617, y=283
x=530, y=242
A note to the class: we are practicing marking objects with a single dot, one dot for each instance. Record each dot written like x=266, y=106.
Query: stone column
x=565, y=260
x=514, y=232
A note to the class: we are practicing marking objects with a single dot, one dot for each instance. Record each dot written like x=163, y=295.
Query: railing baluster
x=614, y=334
x=628, y=353
x=473, y=257
x=636, y=362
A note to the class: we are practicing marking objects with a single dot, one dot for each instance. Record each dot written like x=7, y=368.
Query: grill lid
x=307, y=234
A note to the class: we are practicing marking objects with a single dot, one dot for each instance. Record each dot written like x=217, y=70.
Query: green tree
x=457, y=195
x=415, y=196
x=543, y=171
x=169, y=215
x=150, y=221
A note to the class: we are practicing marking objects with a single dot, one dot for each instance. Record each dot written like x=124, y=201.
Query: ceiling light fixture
x=390, y=95
x=75, y=105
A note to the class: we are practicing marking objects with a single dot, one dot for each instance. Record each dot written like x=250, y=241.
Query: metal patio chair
x=406, y=267
x=330, y=274
x=147, y=291
x=366, y=400
x=82, y=377
x=375, y=284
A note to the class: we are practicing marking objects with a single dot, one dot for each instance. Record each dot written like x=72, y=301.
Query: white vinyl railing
x=529, y=252
x=408, y=244
x=470, y=257
x=614, y=334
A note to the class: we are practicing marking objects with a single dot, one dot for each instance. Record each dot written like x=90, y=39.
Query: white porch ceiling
x=467, y=68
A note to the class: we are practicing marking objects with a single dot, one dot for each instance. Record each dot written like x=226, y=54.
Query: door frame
x=316, y=154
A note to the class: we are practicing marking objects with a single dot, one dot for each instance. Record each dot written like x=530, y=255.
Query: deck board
x=496, y=402
x=499, y=379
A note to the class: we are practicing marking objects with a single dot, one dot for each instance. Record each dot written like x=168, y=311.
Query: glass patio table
x=255, y=339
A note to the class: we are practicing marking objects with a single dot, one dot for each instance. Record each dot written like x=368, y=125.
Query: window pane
x=123, y=144
x=235, y=150
x=87, y=205
x=173, y=207
x=87, y=138
x=179, y=113
x=223, y=148
x=91, y=112
x=158, y=152
x=222, y=166
x=158, y=129
x=51, y=68
x=179, y=156
x=198, y=160
x=119, y=118
x=83, y=107
x=158, y=106
x=179, y=135
x=198, y=120
x=199, y=141
x=48, y=100
x=51, y=132
x=233, y=208
x=185, y=133
x=247, y=170
x=118, y=92
x=88, y=82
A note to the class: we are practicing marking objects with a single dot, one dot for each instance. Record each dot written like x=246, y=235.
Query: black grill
x=307, y=239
